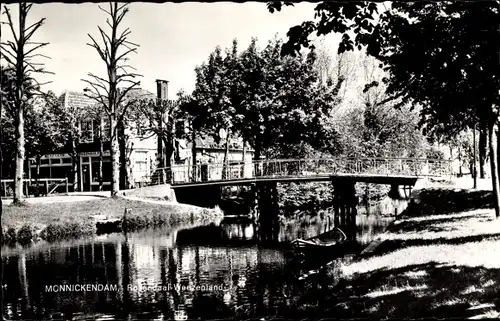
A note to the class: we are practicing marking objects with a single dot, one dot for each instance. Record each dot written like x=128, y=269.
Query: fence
x=44, y=186
x=309, y=167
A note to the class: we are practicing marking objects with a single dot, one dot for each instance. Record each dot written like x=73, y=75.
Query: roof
x=139, y=93
x=78, y=99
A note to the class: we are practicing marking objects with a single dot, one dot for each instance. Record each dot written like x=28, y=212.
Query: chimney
x=162, y=89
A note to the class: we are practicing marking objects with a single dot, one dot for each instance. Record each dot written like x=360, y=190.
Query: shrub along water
x=313, y=197
x=58, y=221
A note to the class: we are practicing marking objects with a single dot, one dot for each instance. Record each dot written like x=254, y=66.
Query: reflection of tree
x=166, y=302
x=23, y=280
x=172, y=277
x=197, y=265
x=127, y=302
x=119, y=271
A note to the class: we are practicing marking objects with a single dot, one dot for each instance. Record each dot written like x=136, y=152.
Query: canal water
x=204, y=270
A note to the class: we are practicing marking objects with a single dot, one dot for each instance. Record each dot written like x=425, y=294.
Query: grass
x=63, y=220
x=443, y=263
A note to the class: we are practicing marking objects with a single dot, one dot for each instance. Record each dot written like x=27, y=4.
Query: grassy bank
x=62, y=220
x=441, y=260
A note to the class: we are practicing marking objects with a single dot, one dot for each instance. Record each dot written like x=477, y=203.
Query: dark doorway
x=86, y=177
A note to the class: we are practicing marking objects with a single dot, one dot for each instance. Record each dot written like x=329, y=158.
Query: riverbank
x=71, y=217
x=441, y=259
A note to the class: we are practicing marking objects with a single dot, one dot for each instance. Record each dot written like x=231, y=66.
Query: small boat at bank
x=324, y=242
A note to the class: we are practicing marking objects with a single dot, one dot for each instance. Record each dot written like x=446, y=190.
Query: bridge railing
x=308, y=167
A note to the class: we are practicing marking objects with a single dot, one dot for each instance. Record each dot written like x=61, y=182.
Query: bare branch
x=105, y=38
x=99, y=49
x=122, y=95
x=11, y=24
x=121, y=14
x=98, y=97
x=33, y=25
x=37, y=55
x=126, y=53
x=9, y=59
x=120, y=8
x=13, y=46
x=109, y=13
x=131, y=43
x=124, y=34
x=127, y=66
x=36, y=26
x=125, y=108
x=102, y=80
x=37, y=47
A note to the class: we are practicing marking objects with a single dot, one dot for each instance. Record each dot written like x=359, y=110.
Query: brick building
x=138, y=150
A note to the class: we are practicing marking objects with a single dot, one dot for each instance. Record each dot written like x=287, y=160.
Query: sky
x=173, y=38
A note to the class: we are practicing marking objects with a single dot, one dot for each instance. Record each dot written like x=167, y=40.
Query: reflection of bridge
x=377, y=170
x=201, y=184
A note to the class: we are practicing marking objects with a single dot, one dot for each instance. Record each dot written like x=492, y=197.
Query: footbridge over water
x=201, y=183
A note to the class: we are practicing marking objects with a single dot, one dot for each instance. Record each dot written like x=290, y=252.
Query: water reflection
x=212, y=271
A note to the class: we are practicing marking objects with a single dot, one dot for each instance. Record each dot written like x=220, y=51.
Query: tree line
x=441, y=57
x=280, y=101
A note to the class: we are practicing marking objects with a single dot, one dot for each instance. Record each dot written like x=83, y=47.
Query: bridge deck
x=371, y=170
x=362, y=178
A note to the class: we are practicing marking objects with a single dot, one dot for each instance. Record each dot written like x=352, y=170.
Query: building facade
x=81, y=164
x=138, y=151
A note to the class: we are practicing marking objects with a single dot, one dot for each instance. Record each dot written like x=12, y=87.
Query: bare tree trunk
x=74, y=164
x=193, y=153
x=18, y=179
x=37, y=178
x=460, y=173
x=244, y=152
x=115, y=157
x=494, y=166
x=101, y=154
x=483, y=142
x=243, y=159
x=225, y=167
x=474, y=167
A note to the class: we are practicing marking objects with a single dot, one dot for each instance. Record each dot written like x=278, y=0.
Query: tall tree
x=109, y=92
x=156, y=118
x=19, y=53
x=284, y=102
x=44, y=132
x=194, y=114
x=434, y=56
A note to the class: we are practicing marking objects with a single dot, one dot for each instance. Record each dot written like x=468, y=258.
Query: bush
x=25, y=234
x=54, y=232
x=9, y=236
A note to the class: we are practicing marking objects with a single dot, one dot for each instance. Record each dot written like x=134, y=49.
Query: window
x=44, y=161
x=85, y=160
x=55, y=161
x=95, y=169
x=66, y=161
x=61, y=172
x=87, y=127
x=105, y=128
x=141, y=161
x=180, y=128
x=44, y=172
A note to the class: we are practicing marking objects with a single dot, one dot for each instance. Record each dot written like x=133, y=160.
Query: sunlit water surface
x=203, y=270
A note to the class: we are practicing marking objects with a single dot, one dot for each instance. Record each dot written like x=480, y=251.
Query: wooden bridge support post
x=345, y=202
x=255, y=205
x=268, y=209
x=395, y=193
